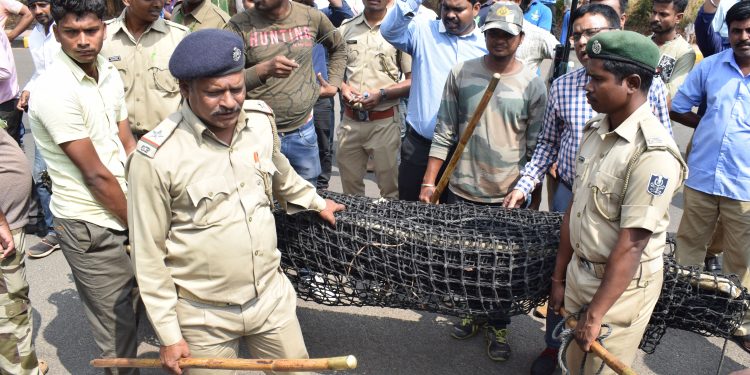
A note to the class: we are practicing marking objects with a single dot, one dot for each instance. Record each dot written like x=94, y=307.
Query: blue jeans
x=560, y=203
x=42, y=194
x=300, y=146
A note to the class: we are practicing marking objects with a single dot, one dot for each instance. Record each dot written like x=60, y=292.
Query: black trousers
x=415, y=151
x=11, y=115
x=323, y=120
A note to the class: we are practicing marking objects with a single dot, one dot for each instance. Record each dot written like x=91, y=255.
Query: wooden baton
x=465, y=138
x=280, y=365
x=609, y=359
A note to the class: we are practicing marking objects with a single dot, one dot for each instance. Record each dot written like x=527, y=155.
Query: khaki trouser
x=697, y=227
x=17, y=356
x=628, y=317
x=716, y=247
x=267, y=324
x=356, y=140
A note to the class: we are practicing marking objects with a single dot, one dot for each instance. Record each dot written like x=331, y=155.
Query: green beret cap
x=624, y=46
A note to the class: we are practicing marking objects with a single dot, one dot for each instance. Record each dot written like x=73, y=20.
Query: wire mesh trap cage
x=465, y=259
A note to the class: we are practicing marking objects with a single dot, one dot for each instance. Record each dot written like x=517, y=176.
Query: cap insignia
x=236, y=54
x=596, y=47
x=503, y=11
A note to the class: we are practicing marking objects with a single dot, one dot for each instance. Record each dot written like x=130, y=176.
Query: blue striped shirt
x=719, y=161
x=566, y=114
x=434, y=52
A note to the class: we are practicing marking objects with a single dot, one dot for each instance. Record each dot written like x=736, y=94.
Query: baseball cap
x=506, y=16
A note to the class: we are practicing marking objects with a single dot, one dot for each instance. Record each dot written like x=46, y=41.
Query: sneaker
x=45, y=247
x=466, y=329
x=546, y=363
x=43, y=367
x=497, y=344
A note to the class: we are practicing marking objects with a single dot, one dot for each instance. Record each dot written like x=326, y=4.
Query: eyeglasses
x=588, y=33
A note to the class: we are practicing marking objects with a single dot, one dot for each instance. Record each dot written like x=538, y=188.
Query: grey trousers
x=104, y=278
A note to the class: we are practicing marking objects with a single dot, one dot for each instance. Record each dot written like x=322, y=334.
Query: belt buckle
x=362, y=115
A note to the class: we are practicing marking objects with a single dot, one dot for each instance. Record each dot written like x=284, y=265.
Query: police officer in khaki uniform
x=377, y=75
x=202, y=228
x=199, y=15
x=609, y=264
x=139, y=44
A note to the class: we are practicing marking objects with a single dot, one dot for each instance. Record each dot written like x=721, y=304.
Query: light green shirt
x=79, y=107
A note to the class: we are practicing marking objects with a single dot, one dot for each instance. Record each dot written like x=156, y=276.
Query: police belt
x=646, y=268
x=184, y=294
x=369, y=115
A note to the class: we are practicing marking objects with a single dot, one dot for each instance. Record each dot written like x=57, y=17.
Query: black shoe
x=466, y=329
x=498, y=348
x=546, y=363
x=743, y=342
x=713, y=264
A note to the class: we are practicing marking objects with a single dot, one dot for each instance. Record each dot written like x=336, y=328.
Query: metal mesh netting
x=452, y=259
x=465, y=259
x=704, y=303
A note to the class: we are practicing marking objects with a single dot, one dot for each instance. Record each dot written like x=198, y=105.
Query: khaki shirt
x=204, y=224
x=599, y=210
x=371, y=62
x=78, y=107
x=151, y=93
x=205, y=16
x=676, y=61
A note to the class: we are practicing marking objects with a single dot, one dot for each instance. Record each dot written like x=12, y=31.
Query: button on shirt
x=44, y=48
x=151, y=92
x=434, y=52
x=371, y=62
x=200, y=215
x=567, y=113
x=719, y=161
x=79, y=107
x=600, y=177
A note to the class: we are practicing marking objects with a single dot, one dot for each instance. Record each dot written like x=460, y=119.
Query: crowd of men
x=161, y=146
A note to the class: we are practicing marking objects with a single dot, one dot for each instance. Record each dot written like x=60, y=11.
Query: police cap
x=624, y=46
x=207, y=53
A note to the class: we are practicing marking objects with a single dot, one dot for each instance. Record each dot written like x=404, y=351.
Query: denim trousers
x=560, y=203
x=300, y=146
x=42, y=194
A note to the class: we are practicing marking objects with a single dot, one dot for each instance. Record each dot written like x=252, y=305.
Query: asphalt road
x=385, y=341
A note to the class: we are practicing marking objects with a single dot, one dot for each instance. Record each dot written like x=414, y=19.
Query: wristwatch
x=383, y=95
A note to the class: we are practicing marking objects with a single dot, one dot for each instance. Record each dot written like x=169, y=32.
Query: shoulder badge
x=258, y=106
x=657, y=184
x=153, y=140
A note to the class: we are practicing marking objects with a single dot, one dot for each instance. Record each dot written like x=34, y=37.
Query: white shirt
x=43, y=50
x=538, y=45
x=719, y=23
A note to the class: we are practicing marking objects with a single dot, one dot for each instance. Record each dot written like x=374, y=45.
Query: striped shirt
x=567, y=113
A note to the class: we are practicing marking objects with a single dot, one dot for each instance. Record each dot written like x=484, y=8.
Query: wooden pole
x=279, y=365
x=465, y=138
x=609, y=359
